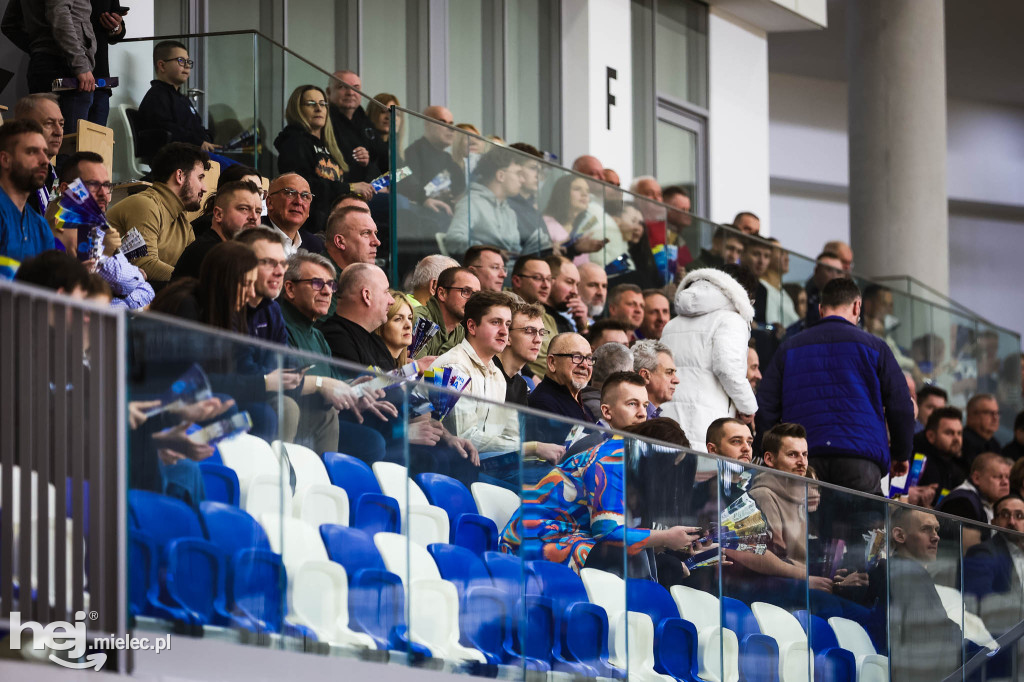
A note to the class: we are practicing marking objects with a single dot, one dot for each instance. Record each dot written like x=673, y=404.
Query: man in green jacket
x=447, y=308
x=159, y=211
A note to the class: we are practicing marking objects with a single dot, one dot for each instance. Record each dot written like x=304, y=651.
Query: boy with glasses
x=532, y=280
x=524, y=341
x=447, y=308
x=165, y=114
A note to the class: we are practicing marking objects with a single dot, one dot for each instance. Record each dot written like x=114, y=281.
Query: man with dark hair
x=988, y=482
x=56, y=271
x=23, y=170
x=87, y=166
x=487, y=263
x=747, y=223
x=355, y=134
x=236, y=208
x=532, y=280
x=1015, y=448
x=626, y=305
x=533, y=232
x=726, y=247
x=929, y=398
x=165, y=114
x=525, y=338
x=608, y=331
x=982, y=424
x=657, y=313
x=827, y=267
x=944, y=468
x=757, y=257
x=447, y=309
x=159, y=212
x=484, y=216
x=678, y=219
x=753, y=366
x=844, y=386
x=288, y=203
x=43, y=108
x=564, y=304
x=264, y=315
x=729, y=437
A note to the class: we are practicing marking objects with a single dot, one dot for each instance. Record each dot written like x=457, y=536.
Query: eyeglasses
x=531, y=331
x=275, y=263
x=577, y=358
x=493, y=268
x=465, y=291
x=1006, y=515
x=96, y=186
x=182, y=61
x=319, y=105
x=319, y=284
x=290, y=193
x=540, y=278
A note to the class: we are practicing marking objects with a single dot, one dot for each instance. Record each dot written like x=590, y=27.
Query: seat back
x=461, y=567
x=15, y=503
x=249, y=456
x=818, y=631
x=321, y=503
x=196, y=579
x=448, y=494
x=295, y=541
x=352, y=474
x=558, y=582
x=267, y=494
x=395, y=482
x=647, y=596
x=737, y=617
x=143, y=558
x=231, y=528
x=259, y=582
x=699, y=607
x=852, y=636
x=509, y=575
x=427, y=524
x=163, y=518
x=350, y=547
x=376, y=513
x=496, y=503
x=406, y=559
x=308, y=467
x=777, y=622
x=220, y=483
x=605, y=589
x=376, y=604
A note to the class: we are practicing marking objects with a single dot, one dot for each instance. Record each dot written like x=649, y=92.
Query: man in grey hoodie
x=483, y=216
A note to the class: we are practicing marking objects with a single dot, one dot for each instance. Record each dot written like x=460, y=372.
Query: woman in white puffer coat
x=709, y=338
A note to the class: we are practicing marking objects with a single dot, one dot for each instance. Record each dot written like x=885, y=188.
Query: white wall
x=738, y=126
x=595, y=36
x=810, y=175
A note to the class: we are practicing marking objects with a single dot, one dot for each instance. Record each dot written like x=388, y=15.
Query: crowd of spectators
x=721, y=354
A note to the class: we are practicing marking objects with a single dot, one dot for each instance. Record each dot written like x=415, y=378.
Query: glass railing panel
x=999, y=373
x=925, y=608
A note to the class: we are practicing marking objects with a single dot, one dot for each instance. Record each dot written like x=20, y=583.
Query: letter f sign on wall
x=610, y=75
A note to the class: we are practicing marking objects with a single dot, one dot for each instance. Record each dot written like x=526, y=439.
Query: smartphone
x=122, y=10
x=300, y=370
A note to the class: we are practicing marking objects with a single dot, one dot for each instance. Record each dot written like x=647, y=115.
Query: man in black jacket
x=164, y=108
x=353, y=130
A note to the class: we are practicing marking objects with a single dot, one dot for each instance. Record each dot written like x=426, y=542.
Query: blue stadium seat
x=533, y=637
x=759, y=654
x=352, y=548
x=369, y=509
x=143, y=580
x=231, y=528
x=675, y=639
x=831, y=662
x=259, y=594
x=196, y=580
x=221, y=483
x=468, y=528
x=162, y=518
x=582, y=631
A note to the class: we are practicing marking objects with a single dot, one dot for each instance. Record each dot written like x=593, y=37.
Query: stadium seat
x=427, y=524
x=295, y=541
x=231, y=528
x=259, y=591
x=350, y=547
x=423, y=522
x=871, y=666
x=581, y=635
x=143, y=580
x=249, y=456
x=220, y=483
x=965, y=615
x=715, y=644
x=496, y=503
x=759, y=653
x=433, y=602
x=468, y=528
x=307, y=465
x=637, y=656
x=196, y=580
x=163, y=518
x=320, y=504
x=318, y=599
x=675, y=639
x=795, y=662
x=369, y=508
x=266, y=495
x=831, y=662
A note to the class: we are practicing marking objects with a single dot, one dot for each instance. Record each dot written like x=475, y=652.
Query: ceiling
x=984, y=49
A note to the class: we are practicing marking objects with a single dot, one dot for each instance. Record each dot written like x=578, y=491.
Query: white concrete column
x=899, y=220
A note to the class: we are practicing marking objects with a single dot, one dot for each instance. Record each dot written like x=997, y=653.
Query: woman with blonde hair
x=467, y=150
x=307, y=147
x=397, y=332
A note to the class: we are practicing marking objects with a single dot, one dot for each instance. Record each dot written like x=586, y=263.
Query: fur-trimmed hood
x=707, y=290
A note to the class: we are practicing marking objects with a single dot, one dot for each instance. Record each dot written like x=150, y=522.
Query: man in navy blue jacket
x=844, y=386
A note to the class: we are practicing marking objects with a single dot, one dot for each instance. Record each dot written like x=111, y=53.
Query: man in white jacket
x=709, y=340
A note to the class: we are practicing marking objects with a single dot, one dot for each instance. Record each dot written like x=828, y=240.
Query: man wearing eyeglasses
x=88, y=166
x=569, y=368
x=236, y=207
x=994, y=570
x=447, y=309
x=165, y=114
x=524, y=342
x=532, y=280
x=288, y=203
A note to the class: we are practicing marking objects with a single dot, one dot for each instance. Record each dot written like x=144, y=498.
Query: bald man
x=288, y=211
x=843, y=251
x=428, y=159
x=362, y=306
x=356, y=136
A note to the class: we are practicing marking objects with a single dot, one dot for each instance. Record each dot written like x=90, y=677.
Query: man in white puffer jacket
x=708, y=338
